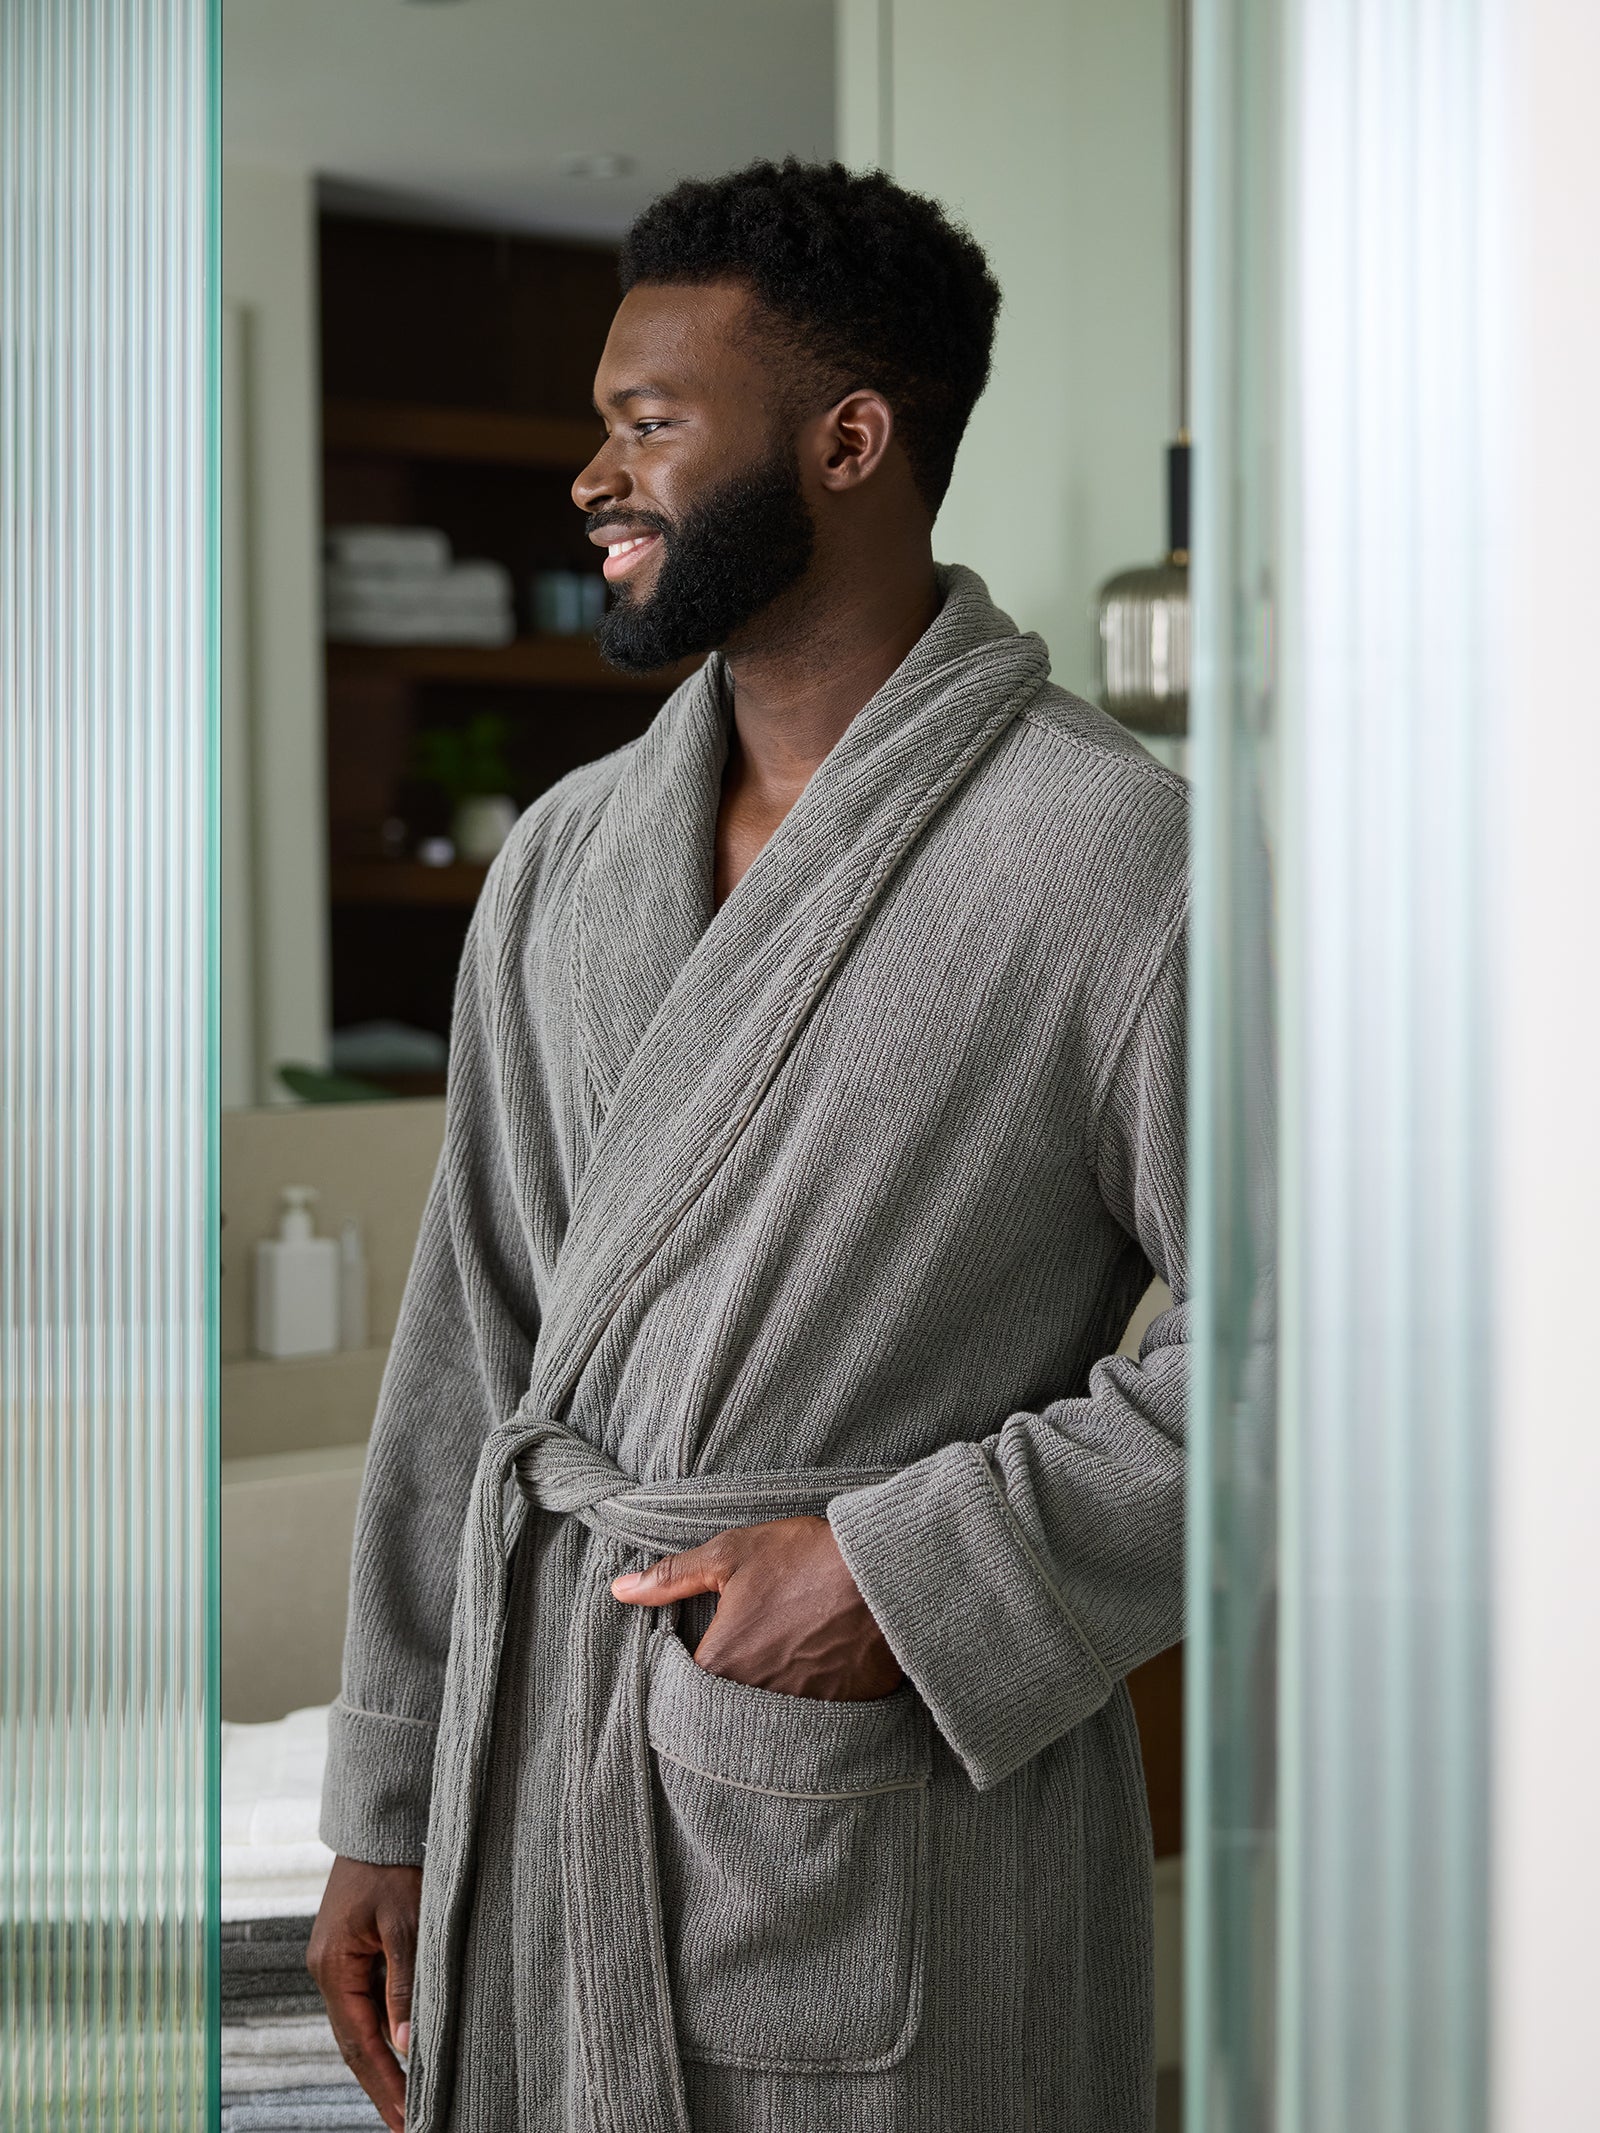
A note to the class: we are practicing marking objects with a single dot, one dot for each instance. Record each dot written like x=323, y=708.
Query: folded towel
x=241, y=1988
x=276, y=1858
x=246, y=1897
x=272, y=2036
x=477, y=580
x=299, y=2118
x=272, y=2003
x=264, y=1766
x=424, y=625
x=243, y=1962
x=253, y=1932
x=269, y=2110
x=378, y=548
x=274, y=1865
x=292, y=2053
x=241, y=2080
x=353, y=611
x=337, y=2093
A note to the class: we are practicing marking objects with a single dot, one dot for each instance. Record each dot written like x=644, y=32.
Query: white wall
x=1546, y=1939
x=1048, y=126
x=275, y=958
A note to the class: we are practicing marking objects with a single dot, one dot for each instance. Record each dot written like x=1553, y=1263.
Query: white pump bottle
x=297, y=1283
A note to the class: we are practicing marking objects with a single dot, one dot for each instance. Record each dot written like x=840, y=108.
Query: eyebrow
x=626, y=393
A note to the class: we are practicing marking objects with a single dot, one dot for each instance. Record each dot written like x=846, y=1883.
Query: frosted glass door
x=1344, y=261
x=107, y=1201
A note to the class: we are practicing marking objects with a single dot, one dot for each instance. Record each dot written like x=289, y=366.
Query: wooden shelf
x=562, y=444
x=527, y=662
x=403, y=881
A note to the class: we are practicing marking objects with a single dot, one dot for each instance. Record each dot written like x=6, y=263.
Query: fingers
x=358, y=2031
x=400, y=1957
x=368, y=1913
x=678, y=1577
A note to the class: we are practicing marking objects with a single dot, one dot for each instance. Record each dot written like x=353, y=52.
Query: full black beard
x=722, y=563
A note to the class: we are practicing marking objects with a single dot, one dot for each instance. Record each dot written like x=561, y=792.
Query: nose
x=602, y=480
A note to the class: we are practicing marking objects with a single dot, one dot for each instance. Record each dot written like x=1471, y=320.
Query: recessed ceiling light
x=598, y=163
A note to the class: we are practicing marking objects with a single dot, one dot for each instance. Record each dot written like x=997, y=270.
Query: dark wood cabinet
x=457, y=368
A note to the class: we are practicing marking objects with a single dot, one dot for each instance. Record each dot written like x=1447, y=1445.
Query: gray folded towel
x=235, y=1930
x=244, y=1959
x=279, y=2113
x=274, y=2003
x=280, y=2052
x=386, y=548
x=264, y=1968
x=269, y=2110
x=284, y=2074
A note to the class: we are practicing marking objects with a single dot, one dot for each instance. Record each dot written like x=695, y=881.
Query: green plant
x=465, y=762
x=315, y=1085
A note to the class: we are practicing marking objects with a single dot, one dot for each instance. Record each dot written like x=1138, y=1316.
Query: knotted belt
x=631, y=2076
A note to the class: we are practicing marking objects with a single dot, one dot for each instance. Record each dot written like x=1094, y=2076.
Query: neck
x=796, y=691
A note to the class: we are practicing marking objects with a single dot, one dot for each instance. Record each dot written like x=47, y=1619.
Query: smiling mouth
x=624, y=556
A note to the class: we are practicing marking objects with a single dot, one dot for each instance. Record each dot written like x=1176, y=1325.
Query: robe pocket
x=791, y=1840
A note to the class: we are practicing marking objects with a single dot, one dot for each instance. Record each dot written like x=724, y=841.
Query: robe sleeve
x=1017, y=1580
x=461, y=1358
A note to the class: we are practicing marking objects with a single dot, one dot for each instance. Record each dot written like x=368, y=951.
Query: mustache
x=628, y=522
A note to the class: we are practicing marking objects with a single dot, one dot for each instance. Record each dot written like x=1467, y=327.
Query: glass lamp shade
x=1142, y=634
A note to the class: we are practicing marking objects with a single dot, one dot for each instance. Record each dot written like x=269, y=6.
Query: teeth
x=616, y=548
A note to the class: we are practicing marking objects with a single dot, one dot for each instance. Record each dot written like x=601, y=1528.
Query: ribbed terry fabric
x=623, y=2004
x=853, y=1183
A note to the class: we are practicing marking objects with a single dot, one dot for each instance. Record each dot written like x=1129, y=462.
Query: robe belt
x=631, y=2077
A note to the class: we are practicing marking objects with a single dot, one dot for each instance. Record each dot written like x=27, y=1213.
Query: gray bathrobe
x=832, y=1202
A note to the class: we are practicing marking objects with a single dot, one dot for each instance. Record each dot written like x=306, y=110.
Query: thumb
x=675, y=1577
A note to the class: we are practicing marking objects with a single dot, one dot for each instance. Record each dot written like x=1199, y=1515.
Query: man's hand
x=789, y=1616
x=368, y=1912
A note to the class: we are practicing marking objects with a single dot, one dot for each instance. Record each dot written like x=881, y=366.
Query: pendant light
x=1142, y=615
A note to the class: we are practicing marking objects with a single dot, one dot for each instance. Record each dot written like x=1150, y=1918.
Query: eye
x=649, y=426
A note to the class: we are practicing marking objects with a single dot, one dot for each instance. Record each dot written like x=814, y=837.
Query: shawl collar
x=686, y=1018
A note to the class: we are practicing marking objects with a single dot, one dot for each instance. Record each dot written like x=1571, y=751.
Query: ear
x=853, y=438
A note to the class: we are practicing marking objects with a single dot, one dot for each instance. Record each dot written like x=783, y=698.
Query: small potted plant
x=468, y=765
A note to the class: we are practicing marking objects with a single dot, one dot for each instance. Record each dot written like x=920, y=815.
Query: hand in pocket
x=789, y=1615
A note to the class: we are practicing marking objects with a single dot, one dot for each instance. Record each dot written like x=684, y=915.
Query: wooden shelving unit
x=559, y=444
x=457, y=367
x=405, y=881
x=527, y=662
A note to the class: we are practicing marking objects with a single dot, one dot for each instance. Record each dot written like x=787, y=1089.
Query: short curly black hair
x=876, y=284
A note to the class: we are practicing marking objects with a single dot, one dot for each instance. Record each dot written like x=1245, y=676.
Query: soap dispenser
x=297, y=1284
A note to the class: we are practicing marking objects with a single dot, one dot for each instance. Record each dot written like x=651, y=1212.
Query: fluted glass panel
x=1236, y=737
x=107, y=1493
x=1344, y=262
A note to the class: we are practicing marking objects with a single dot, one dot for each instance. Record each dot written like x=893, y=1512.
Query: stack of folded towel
x=281, y=2069
x=397, y=585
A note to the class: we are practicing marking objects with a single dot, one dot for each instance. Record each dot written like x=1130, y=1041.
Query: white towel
x=479, y=581
x=274, y=1865
x=423, y=625
x=470, y=603
x=380, y=548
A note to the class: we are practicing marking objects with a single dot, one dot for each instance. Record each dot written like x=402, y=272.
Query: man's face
x=696, y=494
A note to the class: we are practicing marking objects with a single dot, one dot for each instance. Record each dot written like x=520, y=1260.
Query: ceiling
x=468, y=110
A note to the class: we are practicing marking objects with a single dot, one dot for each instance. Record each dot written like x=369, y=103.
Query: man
x=815, y=1119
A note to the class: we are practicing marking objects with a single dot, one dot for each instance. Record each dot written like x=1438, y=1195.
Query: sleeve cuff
x=376, y=1787
x=968, y=1611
